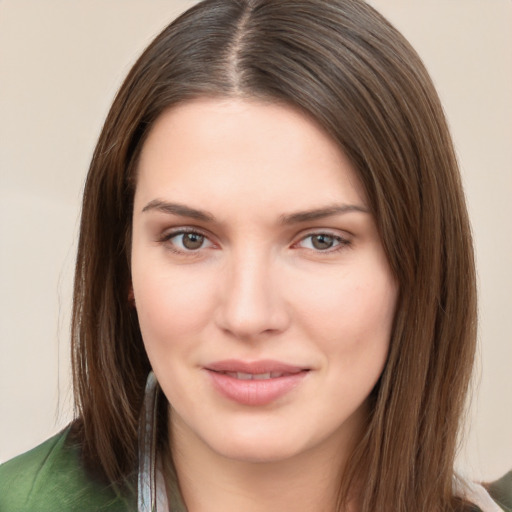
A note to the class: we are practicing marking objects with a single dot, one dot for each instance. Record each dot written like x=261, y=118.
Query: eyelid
x=168, y=234
x=343, y=240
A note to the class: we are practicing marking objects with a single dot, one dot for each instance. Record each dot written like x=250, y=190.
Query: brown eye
x=192, y=241
x=322, y=241
x=186, y=241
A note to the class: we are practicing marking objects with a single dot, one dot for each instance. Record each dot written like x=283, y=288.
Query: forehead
x=211, y=149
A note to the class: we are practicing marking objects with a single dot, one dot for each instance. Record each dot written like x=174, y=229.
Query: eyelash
x=167, y=237
x=341, y=242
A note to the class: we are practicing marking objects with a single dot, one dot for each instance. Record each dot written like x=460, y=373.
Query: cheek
x=171, y=305
x=350, y=313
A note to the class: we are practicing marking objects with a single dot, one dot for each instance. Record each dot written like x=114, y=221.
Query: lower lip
x=255, y=392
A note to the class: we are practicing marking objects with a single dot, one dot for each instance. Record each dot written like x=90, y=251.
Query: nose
x=252, y=298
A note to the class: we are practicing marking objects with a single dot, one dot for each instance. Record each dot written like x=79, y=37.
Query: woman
x=273, y=224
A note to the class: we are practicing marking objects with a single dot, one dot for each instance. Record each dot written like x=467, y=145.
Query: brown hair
x=345, y=66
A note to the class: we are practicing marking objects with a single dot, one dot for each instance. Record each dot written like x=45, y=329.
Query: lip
x=254, y=367
x=254, y=392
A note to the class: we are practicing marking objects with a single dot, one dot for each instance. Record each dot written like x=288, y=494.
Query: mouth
x=256, y=376
x=264, y=369
x=255, y=383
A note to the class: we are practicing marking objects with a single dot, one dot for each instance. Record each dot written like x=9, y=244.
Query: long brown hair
x=345, y=66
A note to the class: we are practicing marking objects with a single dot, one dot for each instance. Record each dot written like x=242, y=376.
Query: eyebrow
x=178, y=209
x=321, y=213
x=285, y=219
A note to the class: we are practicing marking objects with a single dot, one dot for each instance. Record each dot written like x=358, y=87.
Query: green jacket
x=50, y=478
x=501, y=492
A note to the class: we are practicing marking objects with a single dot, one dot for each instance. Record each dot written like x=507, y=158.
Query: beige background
x=61, y=62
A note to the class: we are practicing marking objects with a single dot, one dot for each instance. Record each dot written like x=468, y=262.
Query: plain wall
x=61, y=62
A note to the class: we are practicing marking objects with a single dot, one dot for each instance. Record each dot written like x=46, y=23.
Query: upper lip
x=254, y=367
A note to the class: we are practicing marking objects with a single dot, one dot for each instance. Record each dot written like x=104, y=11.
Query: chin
x=257, y=452
x=256, y=445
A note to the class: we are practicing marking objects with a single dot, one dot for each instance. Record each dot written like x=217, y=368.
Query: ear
x=131, y=297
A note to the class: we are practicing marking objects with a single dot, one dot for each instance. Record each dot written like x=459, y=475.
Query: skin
x=258, y=288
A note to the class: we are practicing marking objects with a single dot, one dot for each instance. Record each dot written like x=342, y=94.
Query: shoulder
x=51, y=477
x=501, y=491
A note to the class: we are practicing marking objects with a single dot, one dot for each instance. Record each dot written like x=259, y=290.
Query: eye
x=187, y=241
x=323, y=242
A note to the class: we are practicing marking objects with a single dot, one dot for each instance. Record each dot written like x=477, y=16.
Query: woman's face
x=263, y=293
